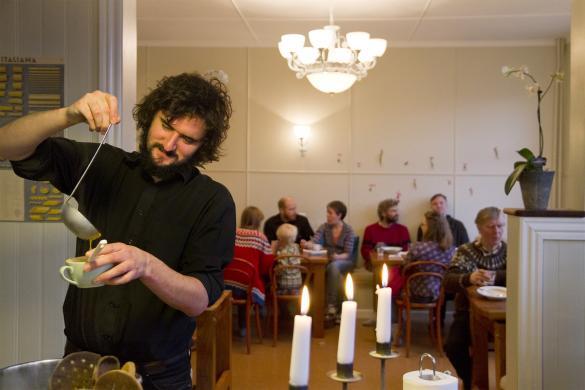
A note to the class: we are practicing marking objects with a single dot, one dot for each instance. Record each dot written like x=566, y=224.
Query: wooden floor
x=267, y=367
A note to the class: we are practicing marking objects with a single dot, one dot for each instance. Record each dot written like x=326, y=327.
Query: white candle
x=301, y=344
x=384, y=311
x=346, y=344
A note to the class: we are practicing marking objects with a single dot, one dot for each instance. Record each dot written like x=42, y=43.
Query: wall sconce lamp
x=302, y=133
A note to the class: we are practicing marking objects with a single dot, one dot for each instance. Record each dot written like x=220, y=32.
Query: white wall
x=451, y=104
x=31, y=291
x=573, y=184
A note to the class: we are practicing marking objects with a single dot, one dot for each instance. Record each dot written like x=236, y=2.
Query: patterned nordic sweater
x=469, y=258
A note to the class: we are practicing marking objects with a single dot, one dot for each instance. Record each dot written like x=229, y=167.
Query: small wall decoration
x=371, y=187
x=381, y=157
x=496, y=153
x=432, y=162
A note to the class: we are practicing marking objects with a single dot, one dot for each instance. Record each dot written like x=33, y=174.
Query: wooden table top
x=494, y=310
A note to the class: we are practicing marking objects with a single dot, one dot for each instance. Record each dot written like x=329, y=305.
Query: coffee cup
x=317, y=247
x=491, y=275
x=74, y=274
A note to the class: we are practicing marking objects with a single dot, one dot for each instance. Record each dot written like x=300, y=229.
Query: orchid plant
x=532, y=162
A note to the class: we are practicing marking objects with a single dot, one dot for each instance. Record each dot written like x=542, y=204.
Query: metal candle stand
x=383, y=352
x=345, y=374
x=293, y=387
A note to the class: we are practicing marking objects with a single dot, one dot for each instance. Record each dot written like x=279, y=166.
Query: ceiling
x=260, y=23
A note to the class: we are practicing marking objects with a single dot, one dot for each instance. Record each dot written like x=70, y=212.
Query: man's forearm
x=21, y=137
x=184, y=293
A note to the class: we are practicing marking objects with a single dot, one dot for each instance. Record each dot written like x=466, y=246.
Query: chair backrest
x=278, y=269
x=241, y=273
x=424, y=269
x=214, y=345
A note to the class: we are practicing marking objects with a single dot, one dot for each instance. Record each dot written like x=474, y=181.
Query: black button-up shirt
x=188, y=222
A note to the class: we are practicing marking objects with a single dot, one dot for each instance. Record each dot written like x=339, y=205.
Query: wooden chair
x=411, y=273
x=275, y=297
x=211, y=346
x=241, y=273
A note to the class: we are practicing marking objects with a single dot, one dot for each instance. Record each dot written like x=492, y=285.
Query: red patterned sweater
x=253, y=247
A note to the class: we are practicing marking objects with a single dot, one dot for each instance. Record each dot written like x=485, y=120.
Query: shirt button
x=140, y=212
x=130, y=241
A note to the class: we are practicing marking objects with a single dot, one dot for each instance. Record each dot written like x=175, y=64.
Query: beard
x=162, y=172
x=389, y=220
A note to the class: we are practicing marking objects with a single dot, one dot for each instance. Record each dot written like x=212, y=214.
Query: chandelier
x=333, y=62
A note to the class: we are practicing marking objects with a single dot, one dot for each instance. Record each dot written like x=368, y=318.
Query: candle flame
x=305, y=301
x=349, y=288
x=384, y=276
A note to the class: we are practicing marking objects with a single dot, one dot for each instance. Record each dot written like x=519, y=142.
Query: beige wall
x=573, y=139
x=450, y=105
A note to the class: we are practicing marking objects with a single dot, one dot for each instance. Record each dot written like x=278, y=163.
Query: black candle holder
x=294, y=387
x=345, y=374
x=383, y=352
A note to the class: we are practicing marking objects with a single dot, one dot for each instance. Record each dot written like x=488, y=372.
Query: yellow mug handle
x=66, y=272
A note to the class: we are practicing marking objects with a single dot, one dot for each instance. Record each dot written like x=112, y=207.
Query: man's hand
x=479, y=278
x=129, y=263
x=97, y=108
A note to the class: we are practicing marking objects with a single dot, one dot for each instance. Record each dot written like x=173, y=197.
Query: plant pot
x=535, y=187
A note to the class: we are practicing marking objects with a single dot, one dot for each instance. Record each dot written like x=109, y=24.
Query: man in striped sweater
x=480, y=263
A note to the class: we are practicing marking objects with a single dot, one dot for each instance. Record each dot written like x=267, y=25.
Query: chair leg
x=399, y=333
x=258, y=327
x=432, y=326
x=407, y=331
x=439, y=331
x=248, y=333
x=274, y=322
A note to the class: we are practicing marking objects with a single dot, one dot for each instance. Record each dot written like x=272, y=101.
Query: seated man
x=387, y=231
x=458, y=231
x=287, y=213
x=478, y=263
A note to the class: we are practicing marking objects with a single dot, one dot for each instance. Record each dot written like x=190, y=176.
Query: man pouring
x=171, y=229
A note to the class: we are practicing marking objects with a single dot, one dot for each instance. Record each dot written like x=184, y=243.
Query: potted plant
x=535, y=182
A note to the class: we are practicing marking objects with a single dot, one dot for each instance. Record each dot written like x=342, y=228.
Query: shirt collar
x=486, y=252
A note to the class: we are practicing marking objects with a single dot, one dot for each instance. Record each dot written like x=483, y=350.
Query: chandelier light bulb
x=357, y=40
x=308, y=55
x=293, y=42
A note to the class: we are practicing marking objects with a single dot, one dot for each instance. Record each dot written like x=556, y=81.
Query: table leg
x=318, y=300
x=500, y=347
x=479, y=337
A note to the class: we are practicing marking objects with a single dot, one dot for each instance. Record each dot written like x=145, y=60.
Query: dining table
x=317, y=265
x=391, y=260
x=487, y=317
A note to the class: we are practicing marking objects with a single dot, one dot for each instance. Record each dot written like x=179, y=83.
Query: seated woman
x=477, y=263
x=290, y=280
x=437, y=245
x=337, y=238
x=253, y=246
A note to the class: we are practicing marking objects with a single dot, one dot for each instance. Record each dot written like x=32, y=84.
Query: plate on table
x=391, y=249
x=313, y=252
x=493, y=292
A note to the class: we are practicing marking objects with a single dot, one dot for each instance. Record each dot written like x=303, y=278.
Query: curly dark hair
x=189, y=95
